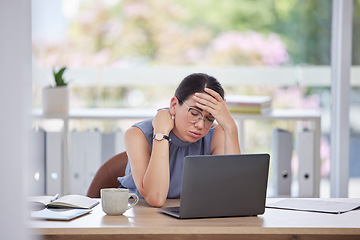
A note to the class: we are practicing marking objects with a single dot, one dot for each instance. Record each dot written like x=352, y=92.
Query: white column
x=340, y=90
x=15, y=101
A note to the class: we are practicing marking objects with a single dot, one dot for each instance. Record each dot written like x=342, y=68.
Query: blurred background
x=134, y=53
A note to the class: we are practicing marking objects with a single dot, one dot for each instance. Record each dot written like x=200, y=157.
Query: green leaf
x=58, y=77
x=60, y=73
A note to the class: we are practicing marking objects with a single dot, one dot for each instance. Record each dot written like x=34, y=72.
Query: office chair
x=106, y=176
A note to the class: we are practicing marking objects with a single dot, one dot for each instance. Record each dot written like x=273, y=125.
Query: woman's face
x=184, y=129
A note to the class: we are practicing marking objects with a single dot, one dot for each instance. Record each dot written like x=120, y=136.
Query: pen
x=55, y=197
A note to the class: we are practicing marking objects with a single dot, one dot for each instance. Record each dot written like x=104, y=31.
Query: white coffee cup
x=115, y=201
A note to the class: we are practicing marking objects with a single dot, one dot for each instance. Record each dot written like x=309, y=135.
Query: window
x=124, y=53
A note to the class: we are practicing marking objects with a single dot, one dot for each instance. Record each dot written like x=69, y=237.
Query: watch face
x=159, y=136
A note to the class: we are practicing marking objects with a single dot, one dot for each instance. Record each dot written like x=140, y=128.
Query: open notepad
x=317, y=205
x=67, y=201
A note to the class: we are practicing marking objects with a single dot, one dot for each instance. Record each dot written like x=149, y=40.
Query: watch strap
x=166, y=137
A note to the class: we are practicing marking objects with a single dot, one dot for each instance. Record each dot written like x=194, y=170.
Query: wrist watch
x=161, y=136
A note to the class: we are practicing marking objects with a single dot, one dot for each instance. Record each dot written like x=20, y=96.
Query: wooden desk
x=144, y=222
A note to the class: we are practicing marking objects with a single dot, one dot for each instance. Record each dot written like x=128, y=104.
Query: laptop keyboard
x=174, y=209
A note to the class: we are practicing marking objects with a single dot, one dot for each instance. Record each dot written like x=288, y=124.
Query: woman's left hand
x=212, y=102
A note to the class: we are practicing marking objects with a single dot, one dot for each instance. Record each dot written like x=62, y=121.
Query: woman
x=156, y=147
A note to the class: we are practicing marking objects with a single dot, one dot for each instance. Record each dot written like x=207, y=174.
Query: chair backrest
x=106, y=176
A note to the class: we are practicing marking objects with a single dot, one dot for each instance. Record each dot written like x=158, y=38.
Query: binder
x=53, y=163
x=37, y=163
x=306, y=155
x=85, y=159
x=108, y=143
x=281, y=161
x=77, y=162
x=92, y=157
x=119, y=140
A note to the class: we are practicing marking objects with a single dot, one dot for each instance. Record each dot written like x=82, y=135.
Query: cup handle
x=135, y=202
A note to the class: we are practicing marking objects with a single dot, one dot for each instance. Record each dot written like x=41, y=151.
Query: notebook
x=58, y=214
x=67, y=201
x=222, y=186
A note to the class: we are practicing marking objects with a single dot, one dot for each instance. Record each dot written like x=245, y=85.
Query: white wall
x=15, y=99
x=340, y=91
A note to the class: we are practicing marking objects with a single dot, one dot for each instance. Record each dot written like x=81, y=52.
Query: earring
x=172, y=117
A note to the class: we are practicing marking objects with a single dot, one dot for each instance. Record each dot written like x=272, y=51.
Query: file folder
x=53, y=163
x=37, y=163
x=92, y=157
x=85, y=159
x=281, y=165
x=119, y=140
x=77, y=163
x=108, y=144
x=306, y=155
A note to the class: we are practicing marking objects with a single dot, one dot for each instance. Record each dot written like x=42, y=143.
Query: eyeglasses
x=195, y=116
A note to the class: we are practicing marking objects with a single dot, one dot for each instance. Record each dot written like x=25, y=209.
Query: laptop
x=222, y=186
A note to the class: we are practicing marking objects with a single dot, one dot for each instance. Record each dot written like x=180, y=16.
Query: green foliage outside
x=197, y=33
x=182, y=32
x=192, y=33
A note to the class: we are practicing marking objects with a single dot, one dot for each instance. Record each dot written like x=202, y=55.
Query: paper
x=315, y=205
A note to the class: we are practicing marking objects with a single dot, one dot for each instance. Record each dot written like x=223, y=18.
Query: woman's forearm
x=231, y=145
x=156, y=178
x=155, y=185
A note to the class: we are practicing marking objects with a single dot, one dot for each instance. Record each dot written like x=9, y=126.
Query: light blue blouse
x=178, y=150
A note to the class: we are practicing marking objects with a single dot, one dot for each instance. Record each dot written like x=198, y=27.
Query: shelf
x=286, y=114
x=312, y=116
x=100, y=113
x=139, y=113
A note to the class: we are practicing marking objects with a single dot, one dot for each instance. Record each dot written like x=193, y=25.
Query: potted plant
x=55, y=98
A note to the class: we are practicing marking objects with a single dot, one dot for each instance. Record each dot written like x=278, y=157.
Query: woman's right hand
x=163, y=122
